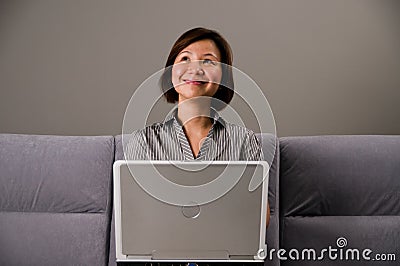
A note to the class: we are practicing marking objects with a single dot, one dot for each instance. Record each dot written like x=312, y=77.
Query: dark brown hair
x=226, y=88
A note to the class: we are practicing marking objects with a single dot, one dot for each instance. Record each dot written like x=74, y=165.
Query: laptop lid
x=190, y=211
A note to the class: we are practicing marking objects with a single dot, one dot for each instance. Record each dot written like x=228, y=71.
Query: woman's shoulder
x=239, y=129
x=145, y=134
x=150, y=129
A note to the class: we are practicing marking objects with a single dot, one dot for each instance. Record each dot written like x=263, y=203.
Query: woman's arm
x=255, y=154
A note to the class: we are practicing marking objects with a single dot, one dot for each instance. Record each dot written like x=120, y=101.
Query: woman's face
x=197, y=70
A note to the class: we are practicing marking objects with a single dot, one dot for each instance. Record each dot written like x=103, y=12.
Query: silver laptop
x=174, y=211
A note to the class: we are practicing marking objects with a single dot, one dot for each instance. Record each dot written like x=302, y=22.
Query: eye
x=209, y=62
x=184, y=59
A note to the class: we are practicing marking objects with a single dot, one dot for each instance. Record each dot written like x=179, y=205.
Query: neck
x=195, y=113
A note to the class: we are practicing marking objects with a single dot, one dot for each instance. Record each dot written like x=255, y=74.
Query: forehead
x=203, y=47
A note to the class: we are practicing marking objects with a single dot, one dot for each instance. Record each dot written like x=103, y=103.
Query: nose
x=196, y=68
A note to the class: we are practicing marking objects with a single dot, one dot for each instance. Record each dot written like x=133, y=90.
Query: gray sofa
x=341, y=191
x=56, y=198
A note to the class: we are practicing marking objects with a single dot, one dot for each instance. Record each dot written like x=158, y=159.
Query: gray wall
x=326, y=67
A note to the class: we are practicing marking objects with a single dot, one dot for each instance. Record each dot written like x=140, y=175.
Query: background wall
x=326, y=67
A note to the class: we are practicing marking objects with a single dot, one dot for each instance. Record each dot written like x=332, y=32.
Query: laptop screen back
x=227, y=228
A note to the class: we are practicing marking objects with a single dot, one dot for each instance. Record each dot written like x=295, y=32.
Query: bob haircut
x=226, y=88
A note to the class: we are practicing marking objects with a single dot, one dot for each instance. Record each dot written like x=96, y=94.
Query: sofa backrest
x=55, y=199
x=340, y=191
x=119, y=155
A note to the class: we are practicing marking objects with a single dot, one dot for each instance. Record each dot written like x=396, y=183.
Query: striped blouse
x=167, y=141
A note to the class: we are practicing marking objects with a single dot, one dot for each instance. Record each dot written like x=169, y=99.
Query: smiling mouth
x=195, y=82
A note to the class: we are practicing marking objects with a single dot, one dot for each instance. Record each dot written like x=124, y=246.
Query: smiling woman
x=212, y=51
x=197, y=76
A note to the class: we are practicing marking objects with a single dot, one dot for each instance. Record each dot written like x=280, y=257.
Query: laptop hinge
x=190, y=254
x=241, y=257
x=138, y=257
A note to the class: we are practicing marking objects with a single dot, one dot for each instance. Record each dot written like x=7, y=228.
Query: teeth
x=201, y=81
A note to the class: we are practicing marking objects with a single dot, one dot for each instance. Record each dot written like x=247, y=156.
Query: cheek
x=177, y=72
x=215, y=75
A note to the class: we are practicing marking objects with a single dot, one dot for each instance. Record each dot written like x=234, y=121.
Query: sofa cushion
x=379, y=234
x=340, y=192
x=40, y=238
x=55, y=199
x=340, y=175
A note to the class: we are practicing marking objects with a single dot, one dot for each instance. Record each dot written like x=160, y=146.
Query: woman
x=198, y=76
x=195, y=78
